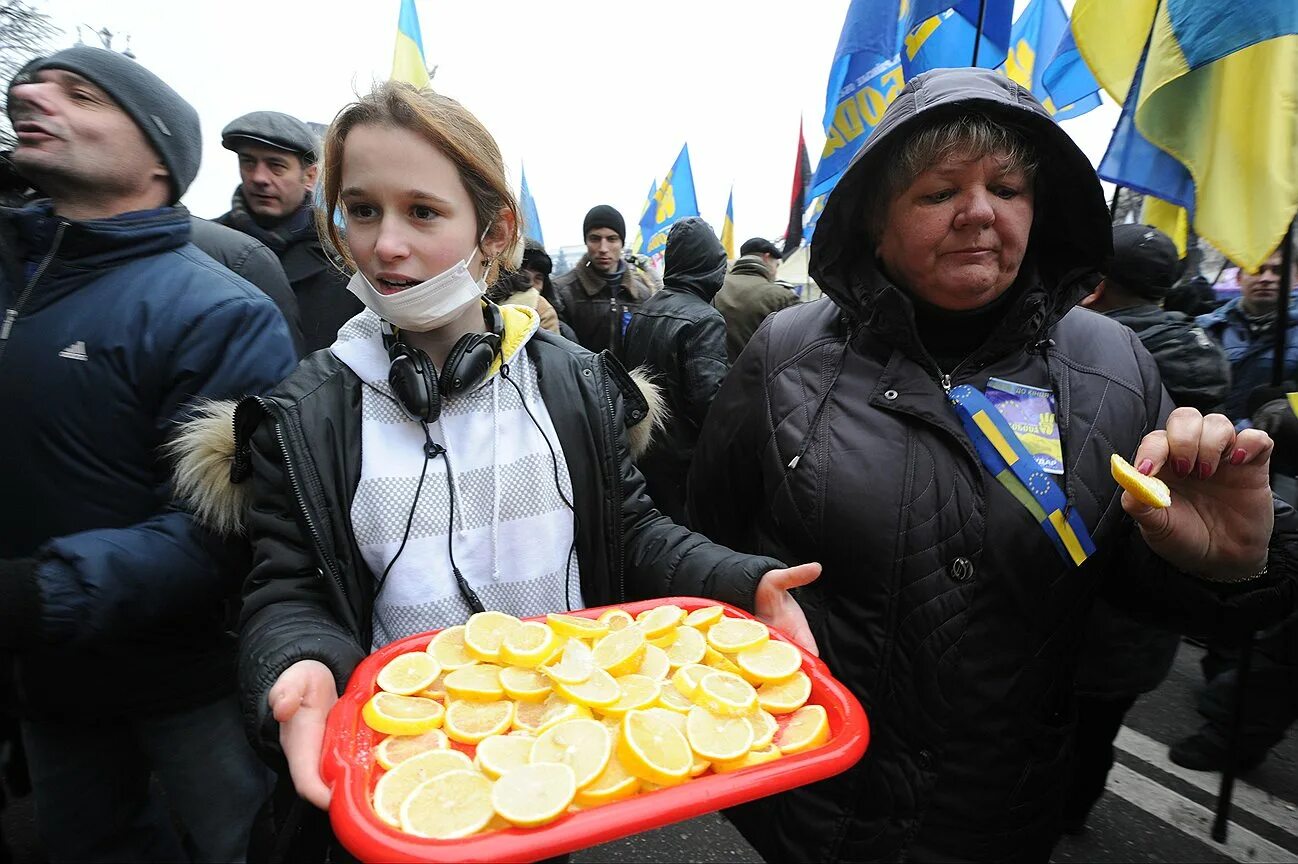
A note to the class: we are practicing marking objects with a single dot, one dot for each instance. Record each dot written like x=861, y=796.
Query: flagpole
x=1282, y=306
x=978, y=33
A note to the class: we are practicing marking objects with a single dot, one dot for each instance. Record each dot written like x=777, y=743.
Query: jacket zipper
x=614, y=322
x=12, y=313
x=616, y=482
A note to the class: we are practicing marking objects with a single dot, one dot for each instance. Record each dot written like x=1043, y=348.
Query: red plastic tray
x=349, y=767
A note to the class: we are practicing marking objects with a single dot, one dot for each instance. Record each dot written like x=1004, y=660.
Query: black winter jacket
x=598, y=315
x=1194, y=368
x=943, y=605
x=678, y=335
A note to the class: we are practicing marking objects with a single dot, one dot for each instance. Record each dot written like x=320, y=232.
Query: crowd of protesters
x=232, y=445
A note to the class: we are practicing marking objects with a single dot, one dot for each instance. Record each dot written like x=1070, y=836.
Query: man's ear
x=1095, y=296
x=309, y=175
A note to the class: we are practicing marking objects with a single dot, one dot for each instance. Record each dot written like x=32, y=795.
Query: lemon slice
x=652, y=748
x=732, y=635
x=454, y=804
x=395, y=786
x=679, y=722
x=502, y=753
x=524, y=685
x=660, y=620
x=597, y=691
x=536, y=717
x=674, y=700
x=655, y=664
x=436, y=690
x=448, y=649
x=1146, y=490
x=664, y=641
x=401, y=715
x=807, y=728
x=615, y=619
x=532, y=795
x=769, y=753
x=485, y=632
x=637, y=692
x=686, y=679
x=613, y=784
x=786, y=696
x=764, y=726
x=470, y=722
x=769, y=662
x=528, y=645
x=477, y=683
x=575, y=666
x=621, y=652
x=407, y=674
x=576, y=627
x=725, y=693
x=582, y=745
x=687, y=649
x=703, y=618
x=395, y=749
x=717, y=738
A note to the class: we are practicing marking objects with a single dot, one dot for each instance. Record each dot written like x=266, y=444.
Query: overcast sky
x=595, y=99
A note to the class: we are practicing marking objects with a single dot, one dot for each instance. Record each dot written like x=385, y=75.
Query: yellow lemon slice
x=528, y=645
x=447, y=648
x=664, y=641
x=582, y=745
x=659, y=620
x=436, y=690
x=652, y=748
x=714, y=658
x=613, y=784
x=732, y=635
x=787, y=696
x=574, y=666
x=717, y=738
x=576, y=627
x=533, y=795
x=686, y=679
x=637, y=692
x=477, y=683
x=1146, y=490
x=597, y=691
x=454, y=804
x=395, y=749
x=807, y=728
x=401, y=715
x=655, y=664
x=536, y=717
x=769, y=662
x=769, y=753
x=678, y=720
x=674, y=700
x=615, y=619
x=524, y=685
x=725, y=693
x=620, y=652
x=687, y=649
x=485, y=632
x=502, y=753
x=470, y=722
x=764, y=726
x=703, y=618
x=407, y=674
x=395, y=786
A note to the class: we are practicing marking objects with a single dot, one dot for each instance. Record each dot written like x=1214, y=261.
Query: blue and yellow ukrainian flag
x=1035, y=42
x=639, y=243
x=1210, y=113
x=673, y=201
x=946, y=39
x=531, y=219
x=408, y=58
x=728, y=227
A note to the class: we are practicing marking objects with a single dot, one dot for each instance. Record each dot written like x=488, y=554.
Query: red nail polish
x=1204, y=470
x=1182, y=467
x=1238, y=457
x=1146, y=465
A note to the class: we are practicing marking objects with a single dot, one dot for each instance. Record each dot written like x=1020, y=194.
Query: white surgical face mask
x=430, y=304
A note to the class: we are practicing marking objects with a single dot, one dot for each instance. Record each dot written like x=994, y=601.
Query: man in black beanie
x=599, y=295
x=113, y=600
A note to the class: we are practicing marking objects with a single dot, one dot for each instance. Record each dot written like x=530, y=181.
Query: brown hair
x=448, y=126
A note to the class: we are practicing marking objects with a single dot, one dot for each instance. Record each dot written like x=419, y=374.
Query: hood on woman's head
x=1071, y=238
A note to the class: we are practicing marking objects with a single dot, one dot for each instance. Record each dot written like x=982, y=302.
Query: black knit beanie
x=168, y=121
x=604, y=216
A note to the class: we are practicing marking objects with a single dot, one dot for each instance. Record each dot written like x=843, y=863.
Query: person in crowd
x=113, y=602
x=1122, y=657
x=864, y=431
x=598, y=296
x=751, y=293
x=528, y=286
x=679, y=336
x=273, y=203
x=1193, y=296
x=538, y=267
x=426, y=387
x=1245, y=328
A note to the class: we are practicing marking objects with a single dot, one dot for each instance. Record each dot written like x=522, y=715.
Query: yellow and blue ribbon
x=1008, y=460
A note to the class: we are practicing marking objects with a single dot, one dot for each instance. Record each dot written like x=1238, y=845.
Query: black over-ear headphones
x=415, y=381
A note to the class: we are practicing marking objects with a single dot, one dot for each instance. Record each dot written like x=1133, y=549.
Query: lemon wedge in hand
x=1146, y=490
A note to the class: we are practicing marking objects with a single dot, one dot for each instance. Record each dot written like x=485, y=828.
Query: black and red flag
x=798, y=198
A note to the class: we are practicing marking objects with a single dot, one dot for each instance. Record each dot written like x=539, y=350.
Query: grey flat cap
x=272, y=128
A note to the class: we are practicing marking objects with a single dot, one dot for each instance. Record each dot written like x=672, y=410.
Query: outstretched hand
x=776, y=607
x=1220, y=521
x=300, y=701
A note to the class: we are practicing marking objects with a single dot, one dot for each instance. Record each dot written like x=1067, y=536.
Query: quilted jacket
x=943, y=605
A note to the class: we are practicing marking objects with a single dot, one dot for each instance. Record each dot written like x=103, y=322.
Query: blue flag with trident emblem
x=674, y=201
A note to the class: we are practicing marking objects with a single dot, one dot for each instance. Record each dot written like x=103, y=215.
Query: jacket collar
x=593, y=282
x=294, y=228
x=751, y=265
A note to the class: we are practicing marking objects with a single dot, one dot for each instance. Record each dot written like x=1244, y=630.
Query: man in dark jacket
x=277, y=164
x=598, y=296
x=751, y=293
x=679, y=335
x=113, y=602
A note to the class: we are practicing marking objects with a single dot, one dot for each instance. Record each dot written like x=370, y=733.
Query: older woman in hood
x=938, y=433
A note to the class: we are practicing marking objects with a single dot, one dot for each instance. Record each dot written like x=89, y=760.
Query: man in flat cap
x=751, y=293
x=277, y=166
x=113, y=599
